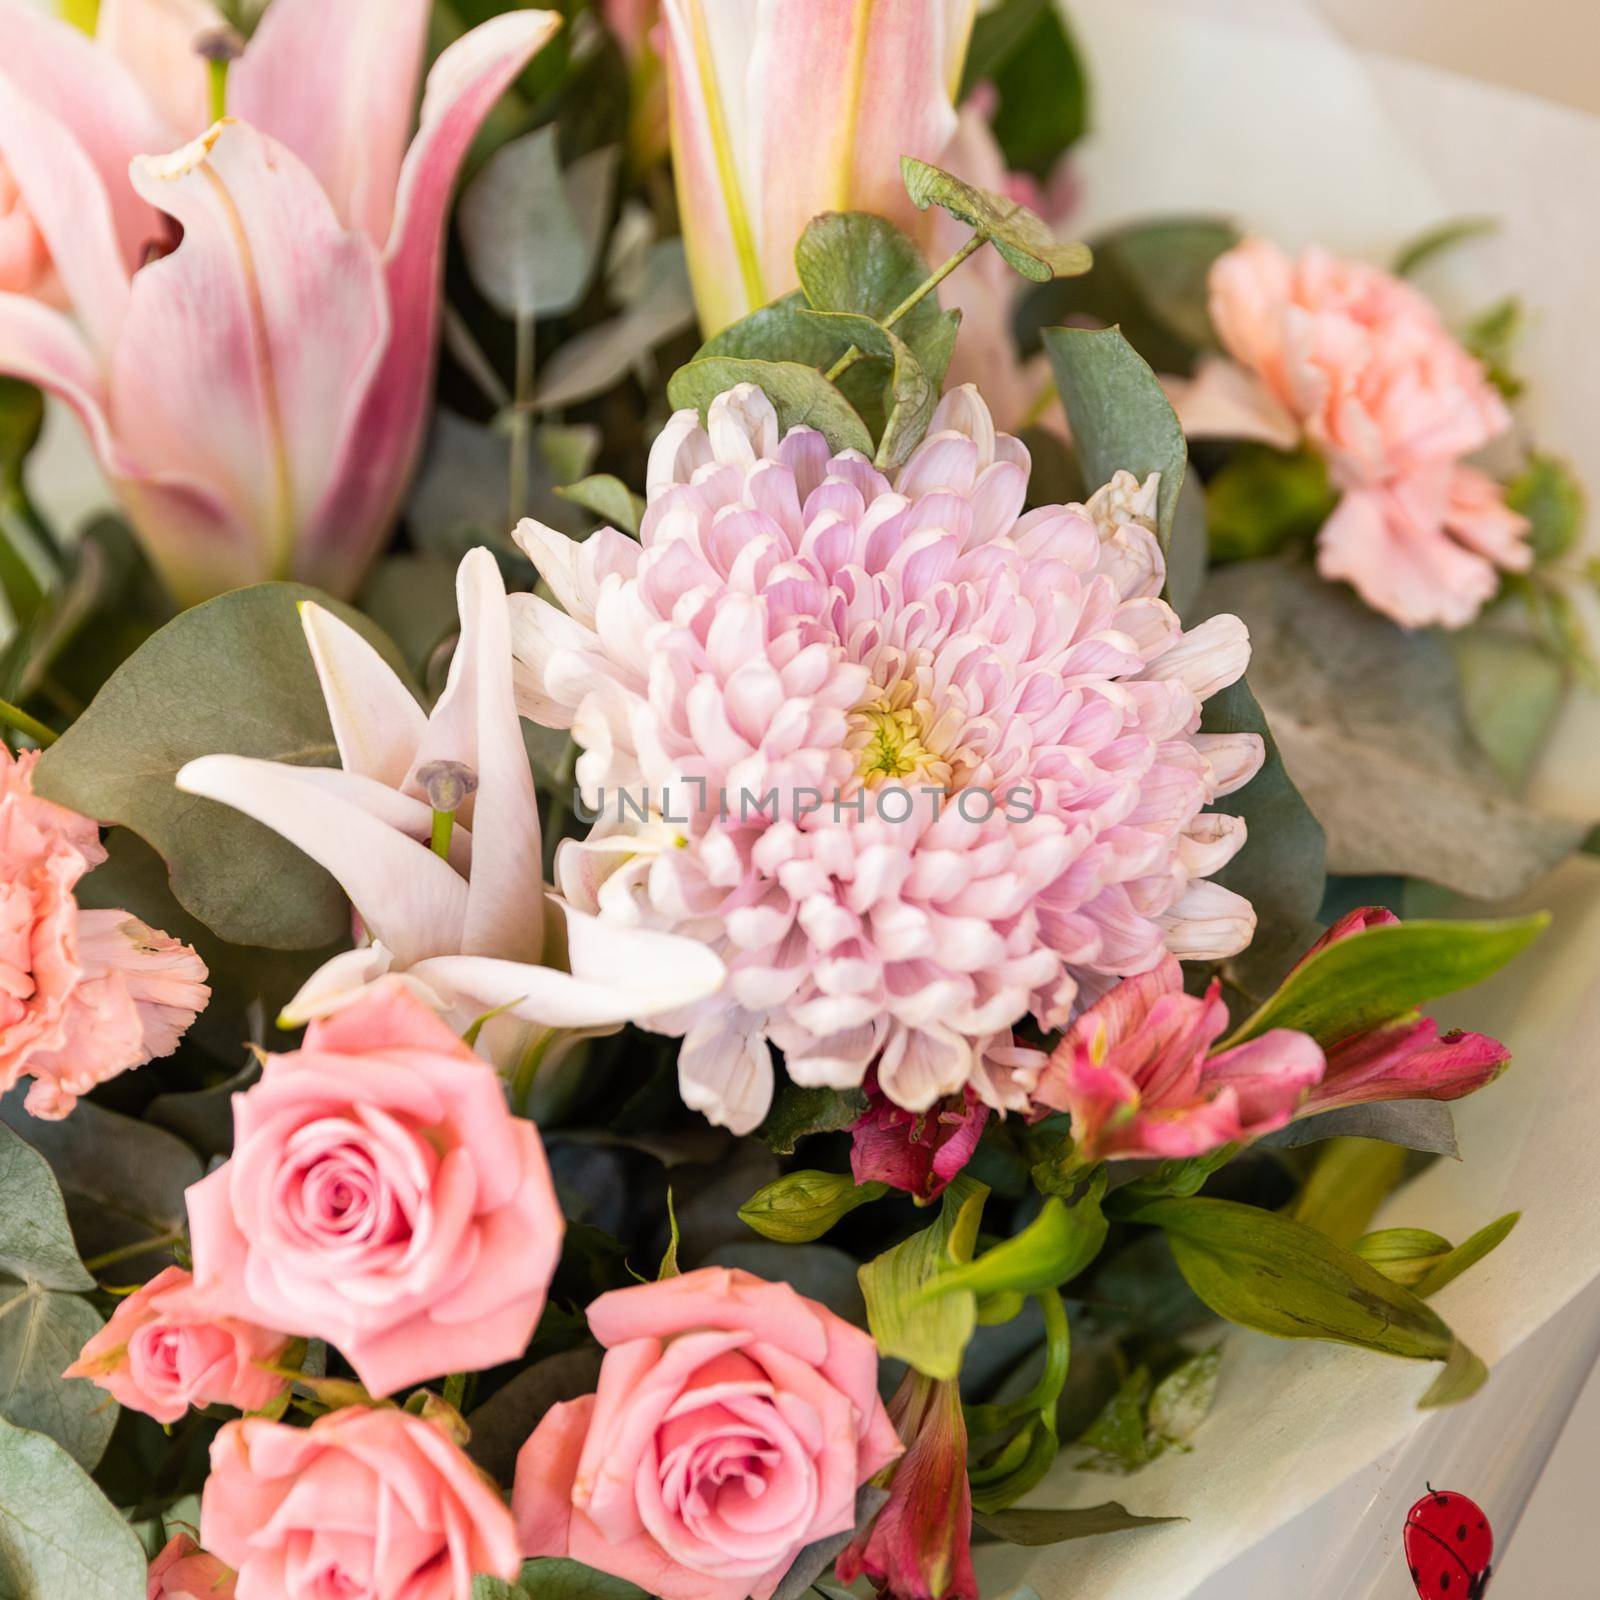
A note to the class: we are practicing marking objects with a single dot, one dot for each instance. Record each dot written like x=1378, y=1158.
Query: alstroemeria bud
x=920, y=1545
x=804, y=1205
x=1403, y=1255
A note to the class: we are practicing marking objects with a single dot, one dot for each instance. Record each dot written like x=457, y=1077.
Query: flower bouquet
x=656, y=942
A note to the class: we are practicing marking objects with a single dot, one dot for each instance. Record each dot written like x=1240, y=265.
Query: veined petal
x=158, y=42
x=71, y=208
x=376, y=722
x=475, y=722
x=70, y=78
x=243, y=349
x=337, y=85
x=377, y=456
x=410, y=899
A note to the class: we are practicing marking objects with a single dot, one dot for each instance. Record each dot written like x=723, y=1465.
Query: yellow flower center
x=892, y=743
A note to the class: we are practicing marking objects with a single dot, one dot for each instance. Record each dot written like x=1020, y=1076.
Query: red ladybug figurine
x=1449, y=1545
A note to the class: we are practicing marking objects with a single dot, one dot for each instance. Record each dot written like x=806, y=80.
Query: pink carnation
x=1362, y=363
x=1003, y=705
x=165, y=1350
x=1135, y=1075
x=183, y=1571
x=84, y=995
x=375, y=1504
x=733, y=1423
x=381, y=1196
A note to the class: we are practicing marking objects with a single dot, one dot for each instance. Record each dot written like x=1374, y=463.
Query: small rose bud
x=804, y=1205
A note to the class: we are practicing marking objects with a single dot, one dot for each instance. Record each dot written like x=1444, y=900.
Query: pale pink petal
x=158, y=42
x=338, y=86
x=1226, y=401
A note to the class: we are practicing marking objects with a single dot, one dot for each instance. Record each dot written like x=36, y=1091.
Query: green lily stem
x=127, y=1252
x=527, y=1071
x=444, y=825
x=982, y=1420
x=15, y=717
x=521, y=418
x=911, y=301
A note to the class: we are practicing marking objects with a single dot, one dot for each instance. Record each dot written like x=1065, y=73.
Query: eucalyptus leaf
x=501, y=1425
x=35, y=1238
x=123, y=1180
x=1023, y=238
x=1425, y=1125
x=1370, y=721
x=1381, y=973
x=609, y=498
x=231, y=675
x=911, y=395
x=798, y=1111
x=1511, y=689
x=800, y=395
x=556, y=1578
x=42, y=1332
x=1024, y=48
x=532, y=233
x=818, y=1557
x=412, y=597
x=59, y=1535
x=929, y=1335
x=782, y=331
x=1121, y=418
x=1040, y=1525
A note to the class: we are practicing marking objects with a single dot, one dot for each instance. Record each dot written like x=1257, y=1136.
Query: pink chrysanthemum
x=795, y=623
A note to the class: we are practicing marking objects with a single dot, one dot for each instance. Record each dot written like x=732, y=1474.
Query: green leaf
x=232, y=675
x=59, y=1536
x=669, y=1261
x=930, y=1335
x=1053, y=1249
x=1425, y=1125
x=1264, y=500
x=1382, y=973
x=1511, y=689
x=1118, y=1438
x=1041, y=1526
x=1467, y=1254
x=800, y=395
x=530, y=232
x=609, y=498
x=1492, y=336
x=1120, y=415
x=1022, y=238
x=556, y=1578
x=1024, y=48
x=501, y=1425
x=798, y=1112
x=1151, y=280
x=818, y=1556
x=910, y=397
x=1442, y=237
x=412, y=597
x=1184, y=1398
x=42, y=1332
x=1463, y=1376
x=1550, y=496
x=35, y=1238
x=803, y=1206
x=1280, y=869
x=1278, y=1276
x=1351, y=1179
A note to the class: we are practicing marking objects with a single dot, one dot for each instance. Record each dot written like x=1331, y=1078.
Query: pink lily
x=782, y=109
x=1406, y=1058
x=919, y=1547
x=256, y=389
x=474, y=930
x=1135, y=1075
x=918, y=1151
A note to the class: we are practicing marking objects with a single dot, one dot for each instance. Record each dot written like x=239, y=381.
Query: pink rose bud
x=919, y=1547
x=183, y=1571
x=84, y=995
x=733, y=1423
x=918, y=1151
x=166, y=1349
x=371, y=1503
x=382, y=1197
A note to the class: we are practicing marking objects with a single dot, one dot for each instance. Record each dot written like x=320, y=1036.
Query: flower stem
x=127, y=1252
x=911, y=301
x=521, y=418
x=16, y=717
x=455, y=1389
x=444, y=824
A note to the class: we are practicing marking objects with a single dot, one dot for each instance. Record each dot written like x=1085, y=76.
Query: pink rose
x=381, y=1196
x=165, y=1350
x=1135, y=1073
x=84, y=995
x=733, y=1423
x=1382, y=390
x=183, y=1571
x=369, y=1504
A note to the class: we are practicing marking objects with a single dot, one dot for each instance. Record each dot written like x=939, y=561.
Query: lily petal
x=158, y=41
x=242, y=349
x=475, y=722
x=377, y=455
x=407, y=896
x=376, y=722
x=338, y=85
x=663, y=970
